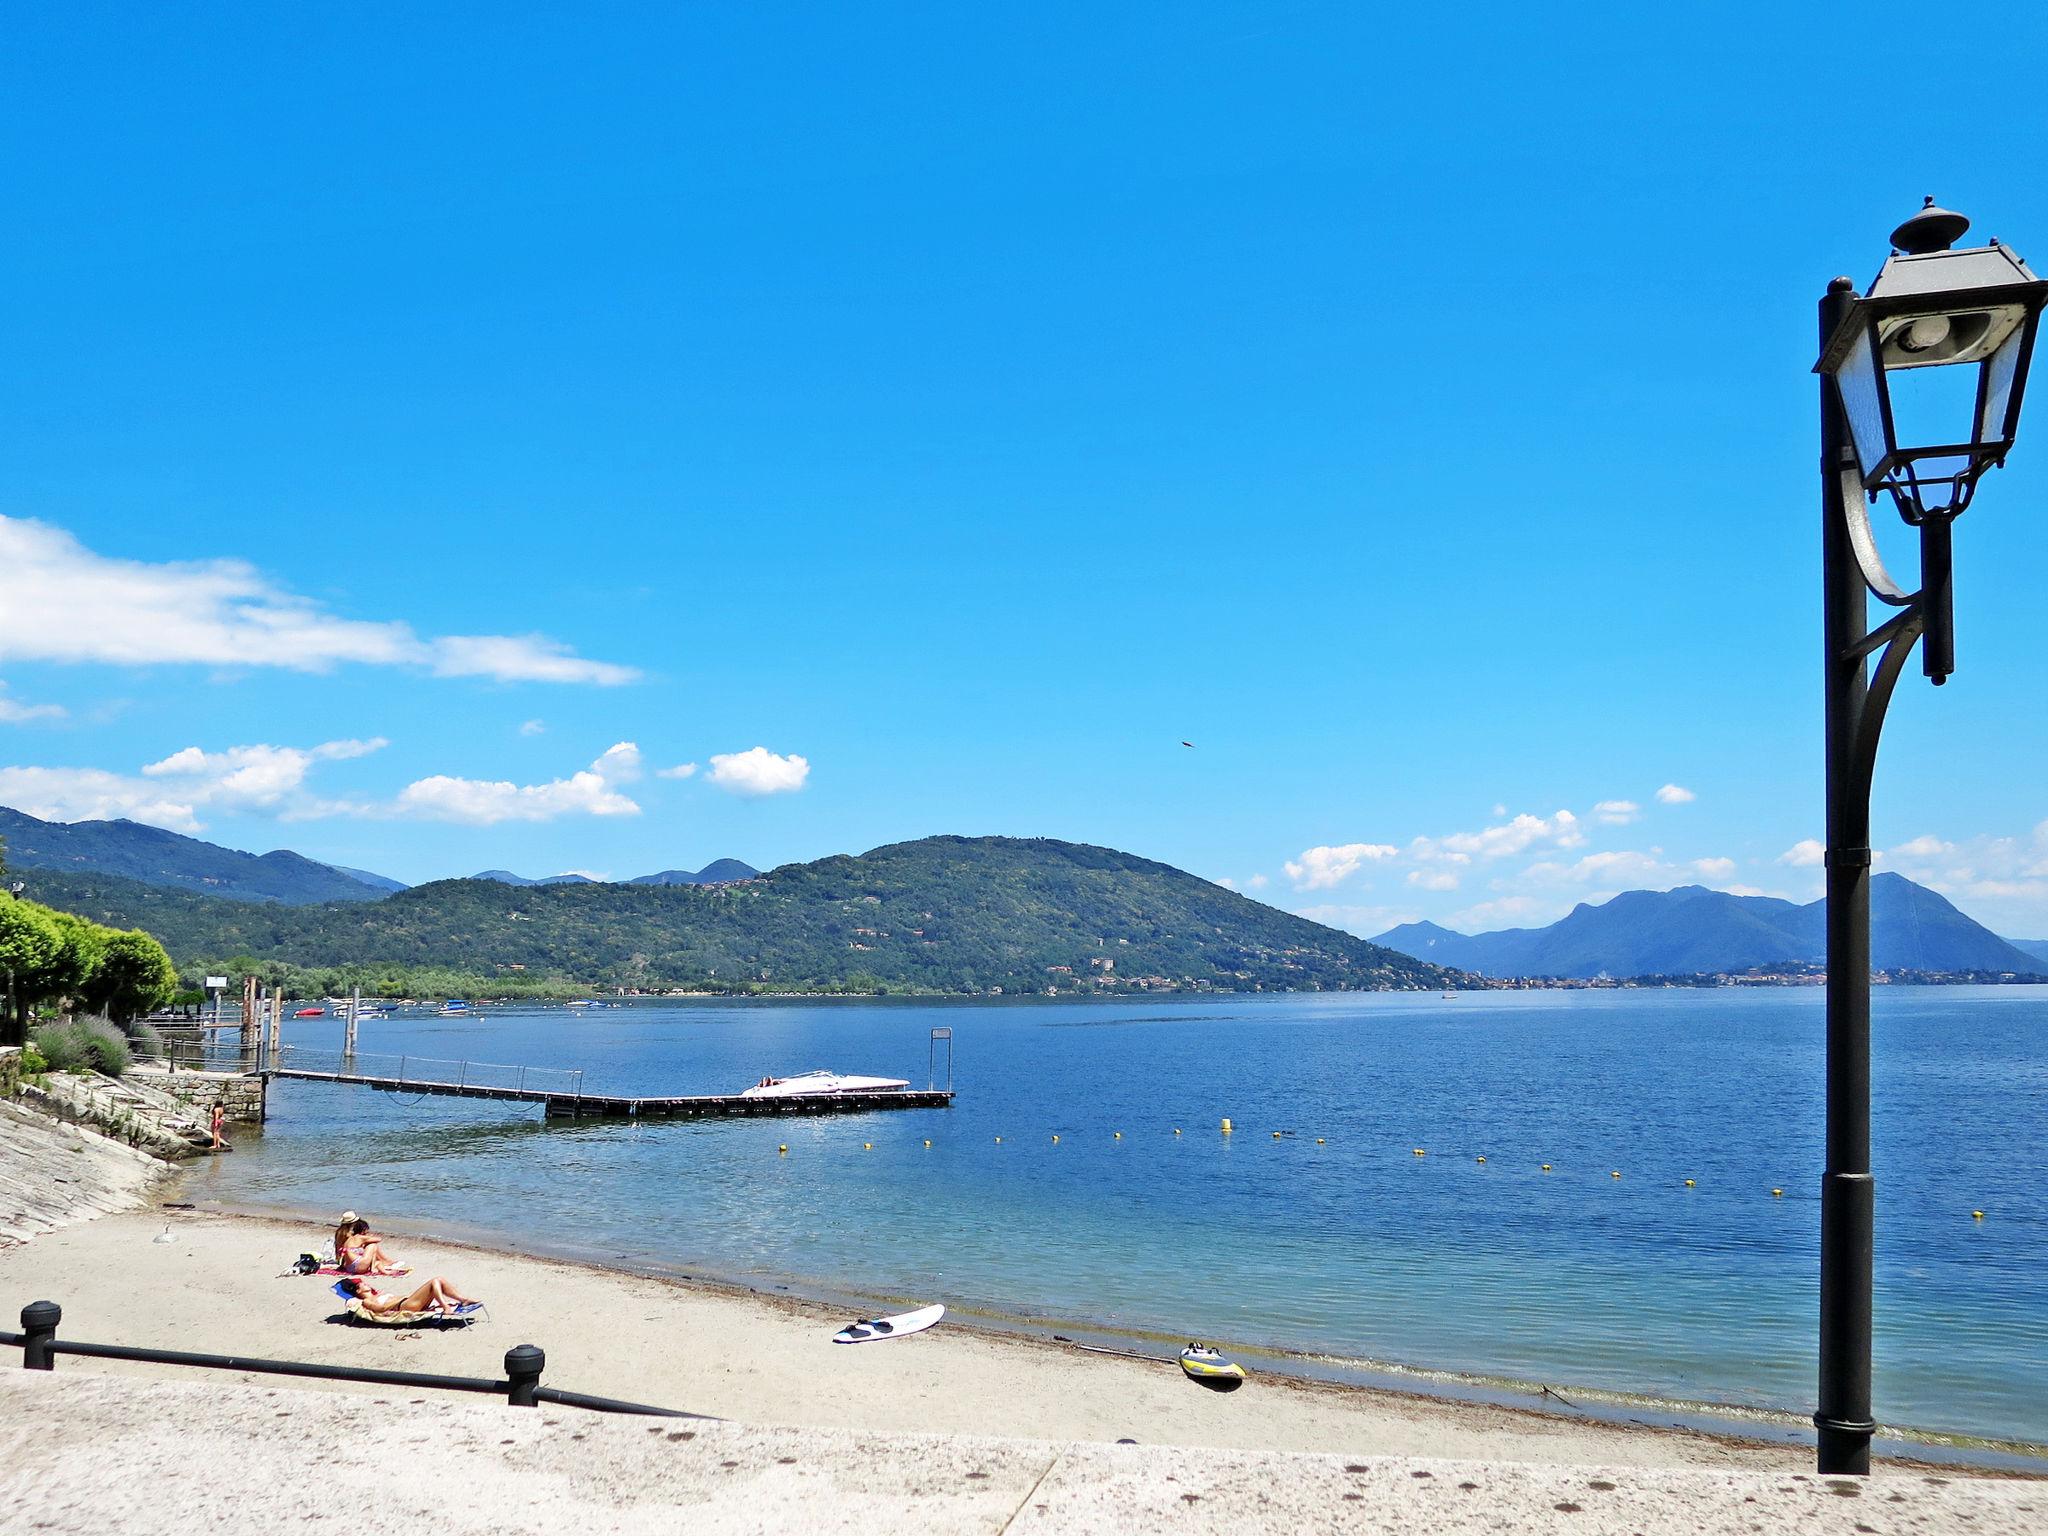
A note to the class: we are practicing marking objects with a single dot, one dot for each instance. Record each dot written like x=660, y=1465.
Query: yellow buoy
x=1976, y=1215
x=1176, y=1130
x=1615, y=1175
x=1546, y=1167
x=927, y=1141
x=1226, y=1125
x=1276, y=1135
x=1688, y=1183
x=999, y=1141
x=783, y=1148
x=1420, y=1153
x=1319, y=1141
x=1777, y=1194
x=1119, y=1135
x=867, y=1146
x=1479, y=1159
x=1055, y=1138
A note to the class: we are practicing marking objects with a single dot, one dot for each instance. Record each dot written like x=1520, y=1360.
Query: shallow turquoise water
x=1352, y=1247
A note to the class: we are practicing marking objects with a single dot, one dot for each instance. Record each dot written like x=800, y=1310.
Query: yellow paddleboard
x=1204, y=1364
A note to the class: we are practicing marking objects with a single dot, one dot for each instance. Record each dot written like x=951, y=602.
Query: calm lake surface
x=1350, y=1246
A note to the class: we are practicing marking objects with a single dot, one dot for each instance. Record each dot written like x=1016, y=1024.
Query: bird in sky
x=1187, y=743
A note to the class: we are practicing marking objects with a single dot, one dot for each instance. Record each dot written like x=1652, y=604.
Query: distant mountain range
x=944, y=914
x=156, y=857
x=136, y=851
x=710, y=874
x=1694, y=931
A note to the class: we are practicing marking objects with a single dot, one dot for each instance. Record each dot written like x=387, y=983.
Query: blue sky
x=403, y=410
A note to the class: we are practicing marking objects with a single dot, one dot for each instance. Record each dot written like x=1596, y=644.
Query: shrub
x=77, y=1045
x=32, y=1062
x=146, y=1041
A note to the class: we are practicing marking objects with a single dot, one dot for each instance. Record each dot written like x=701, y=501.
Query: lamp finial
x=1931, y=229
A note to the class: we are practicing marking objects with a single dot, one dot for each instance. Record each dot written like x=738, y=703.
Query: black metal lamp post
x=1883, y=429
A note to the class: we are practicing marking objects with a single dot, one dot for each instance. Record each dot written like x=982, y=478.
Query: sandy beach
x=214, y=1285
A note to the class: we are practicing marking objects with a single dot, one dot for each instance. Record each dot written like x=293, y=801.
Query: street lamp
x=1924, y=438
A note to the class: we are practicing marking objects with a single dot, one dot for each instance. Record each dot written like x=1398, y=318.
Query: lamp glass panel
x=2001, y=373
x=1857, y=382
x=1932, y=407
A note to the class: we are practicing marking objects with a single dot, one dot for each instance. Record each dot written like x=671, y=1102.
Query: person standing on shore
x=219, y=1118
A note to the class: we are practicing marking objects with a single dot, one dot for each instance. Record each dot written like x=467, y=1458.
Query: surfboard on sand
x=896, y=1327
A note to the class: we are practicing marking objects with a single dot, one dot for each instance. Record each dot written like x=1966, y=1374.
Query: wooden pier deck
x=560, y=1104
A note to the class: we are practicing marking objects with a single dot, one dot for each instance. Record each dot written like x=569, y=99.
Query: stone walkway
x=87, y=1452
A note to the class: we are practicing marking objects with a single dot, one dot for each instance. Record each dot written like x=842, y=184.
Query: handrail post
x=39, y=1321
x=523, y=1364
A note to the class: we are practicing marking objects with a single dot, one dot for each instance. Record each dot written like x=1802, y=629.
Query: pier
x=561, y=1094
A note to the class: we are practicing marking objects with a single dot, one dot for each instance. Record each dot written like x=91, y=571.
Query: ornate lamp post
x=1883, y=430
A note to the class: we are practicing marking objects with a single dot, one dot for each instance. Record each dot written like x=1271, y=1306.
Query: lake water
x=1333, y=1239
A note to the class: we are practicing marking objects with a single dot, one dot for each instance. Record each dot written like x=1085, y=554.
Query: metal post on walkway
x=39, y=1321
x=523, y=1365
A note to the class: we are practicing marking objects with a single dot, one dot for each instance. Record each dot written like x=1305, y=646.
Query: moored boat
x=830, y=1083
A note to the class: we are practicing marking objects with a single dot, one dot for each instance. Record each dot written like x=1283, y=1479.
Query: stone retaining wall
x=244, y=1097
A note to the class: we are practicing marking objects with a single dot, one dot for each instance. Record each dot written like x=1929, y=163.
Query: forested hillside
x=944, y=914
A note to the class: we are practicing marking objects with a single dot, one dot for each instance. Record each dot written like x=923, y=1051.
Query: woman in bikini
x=359, y=1251
x=438, y=1294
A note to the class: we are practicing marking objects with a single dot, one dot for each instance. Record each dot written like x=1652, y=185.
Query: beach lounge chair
x=467, y=1312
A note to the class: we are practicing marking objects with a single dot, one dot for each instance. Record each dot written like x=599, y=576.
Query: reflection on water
x=1336, y=1238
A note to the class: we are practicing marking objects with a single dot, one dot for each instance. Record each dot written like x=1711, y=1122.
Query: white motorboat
x=824, y=1083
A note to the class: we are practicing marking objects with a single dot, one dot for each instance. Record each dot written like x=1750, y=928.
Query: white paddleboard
x=888, y=1327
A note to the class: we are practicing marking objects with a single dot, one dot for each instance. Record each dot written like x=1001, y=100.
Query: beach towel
x=464, y=1313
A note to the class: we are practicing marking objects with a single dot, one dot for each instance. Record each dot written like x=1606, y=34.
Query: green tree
x=78, y=956
x=29, y=944
x=134, y=976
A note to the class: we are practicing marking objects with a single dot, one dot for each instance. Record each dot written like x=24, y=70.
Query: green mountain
x=1694, y=931
x=156, y=857
x=944, y=914
x=710, y=874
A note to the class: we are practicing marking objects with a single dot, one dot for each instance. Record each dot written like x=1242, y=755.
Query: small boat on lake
x=830, y=1083
x=454, y=1005
x=307, y=1013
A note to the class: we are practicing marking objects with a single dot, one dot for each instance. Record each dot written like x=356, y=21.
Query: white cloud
x=1619, y=866
x=1503, y=912
x=14, y=712
x=1714, y=869
x=68, y=604
x=1433, y=879
x=258, y=779
x=1496, y=842
x=486, y=802
x=757, y=771
x=1923, y=847
x=533, y=727
x=1256, y=883
x=1807, y=853
x=1675, y=794
x=680, y=771
x=1363, y=921
x=94, y=794
x=1225, y=881
x=1616, y=813
x=1321, y=868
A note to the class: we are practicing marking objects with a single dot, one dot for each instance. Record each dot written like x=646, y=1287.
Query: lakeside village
x=1098, y=980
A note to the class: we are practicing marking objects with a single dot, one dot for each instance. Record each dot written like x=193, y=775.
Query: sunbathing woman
x=361, y=1253
x=438, y=1294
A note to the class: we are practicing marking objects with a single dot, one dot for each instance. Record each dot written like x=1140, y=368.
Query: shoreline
x=1762, y=1431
